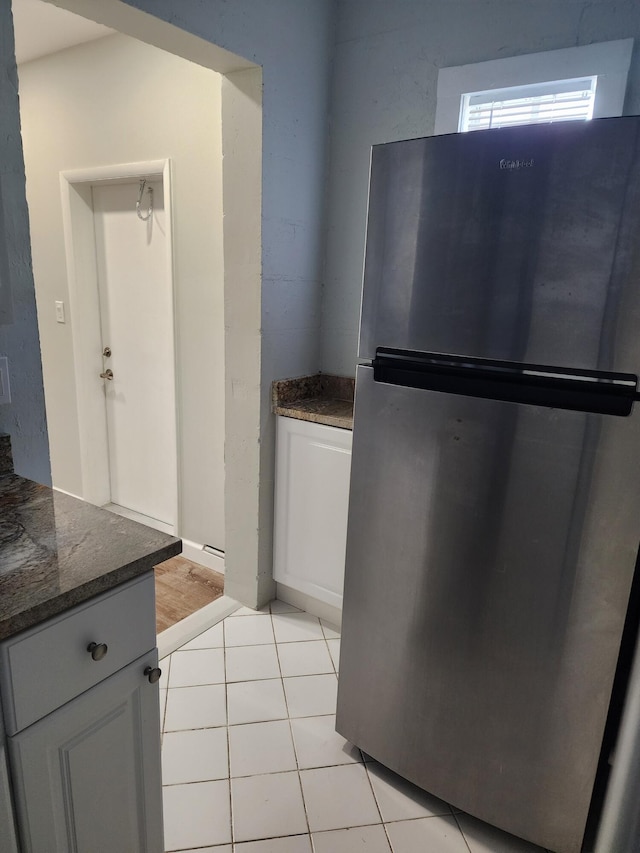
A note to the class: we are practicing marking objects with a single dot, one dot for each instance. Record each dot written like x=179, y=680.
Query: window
x=540, y=103
x=576, y=83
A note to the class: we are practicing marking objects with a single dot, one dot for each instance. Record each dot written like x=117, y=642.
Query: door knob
x=153, y=674
x=97, y=651
x=108, y=374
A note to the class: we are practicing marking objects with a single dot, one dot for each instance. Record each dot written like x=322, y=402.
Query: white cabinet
x=313, y=464
x=85, y=776
x=81, y=706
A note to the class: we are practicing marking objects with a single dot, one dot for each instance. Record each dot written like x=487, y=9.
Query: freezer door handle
x=595, y=391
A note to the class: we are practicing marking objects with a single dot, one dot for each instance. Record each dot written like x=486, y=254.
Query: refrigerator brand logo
x=516, y=164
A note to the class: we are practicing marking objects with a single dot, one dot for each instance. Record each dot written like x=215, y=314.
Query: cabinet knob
x=153, y=673
x=97, y=650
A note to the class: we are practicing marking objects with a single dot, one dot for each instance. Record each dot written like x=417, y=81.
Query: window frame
x=608, y=60
x=507, y=99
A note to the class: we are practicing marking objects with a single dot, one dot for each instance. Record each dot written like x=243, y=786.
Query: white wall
x=23, y=418
x=384, y=89
x=116, y=101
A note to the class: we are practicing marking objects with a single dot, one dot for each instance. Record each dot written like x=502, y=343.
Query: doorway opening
x=190, y=195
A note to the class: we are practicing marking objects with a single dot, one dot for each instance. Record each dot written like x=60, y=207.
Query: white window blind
x=538, y=103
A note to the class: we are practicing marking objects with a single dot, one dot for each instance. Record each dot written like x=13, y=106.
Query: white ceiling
x=42, y=28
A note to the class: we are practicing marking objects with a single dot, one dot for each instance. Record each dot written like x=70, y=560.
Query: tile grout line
x=335, y=672
x=326, y=642
x=226, y=708
x=203, y=728
x=326, y=639
x=293, y=742
x=464, y=837
x=375, y=800
x=233, y=841
x=166, y=702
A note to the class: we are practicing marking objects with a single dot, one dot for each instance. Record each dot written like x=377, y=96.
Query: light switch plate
x=5, y=388
x=59, y=312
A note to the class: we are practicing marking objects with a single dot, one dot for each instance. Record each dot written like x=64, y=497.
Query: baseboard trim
x=330, y=614
x=196, y=553
x=191, y=626
x=65, y=492
x=147, y=520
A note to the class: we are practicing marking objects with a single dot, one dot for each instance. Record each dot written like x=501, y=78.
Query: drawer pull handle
x=153, y=674
x=97, y=651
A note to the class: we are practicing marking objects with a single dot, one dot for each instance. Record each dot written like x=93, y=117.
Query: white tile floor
x=252, y=763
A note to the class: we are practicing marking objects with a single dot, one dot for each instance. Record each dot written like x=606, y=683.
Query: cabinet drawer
x=46, y=666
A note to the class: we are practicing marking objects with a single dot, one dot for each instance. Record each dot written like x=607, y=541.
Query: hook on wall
x=150, y=208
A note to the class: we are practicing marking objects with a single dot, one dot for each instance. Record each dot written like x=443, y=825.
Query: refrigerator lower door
x=490, y=553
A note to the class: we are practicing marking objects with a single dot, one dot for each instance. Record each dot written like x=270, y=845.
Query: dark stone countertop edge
x=319, y=398
x=57, y=551
x=342, y=422
x=63, y=601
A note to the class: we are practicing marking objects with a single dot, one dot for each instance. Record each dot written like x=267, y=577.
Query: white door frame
x=84, y=311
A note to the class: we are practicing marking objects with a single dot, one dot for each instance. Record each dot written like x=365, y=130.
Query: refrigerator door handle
x=594, y=391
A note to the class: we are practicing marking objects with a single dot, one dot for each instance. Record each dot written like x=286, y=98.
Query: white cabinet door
x=87, y=777
x=313, y=464
x=8, y=843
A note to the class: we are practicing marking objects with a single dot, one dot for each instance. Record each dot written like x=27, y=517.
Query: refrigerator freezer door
x=512, y=244
x=490, y=554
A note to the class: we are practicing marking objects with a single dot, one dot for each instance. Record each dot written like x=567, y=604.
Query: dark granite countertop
x=57, y=551
x=320, y=398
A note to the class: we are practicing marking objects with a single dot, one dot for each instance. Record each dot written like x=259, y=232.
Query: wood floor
x=182, y=587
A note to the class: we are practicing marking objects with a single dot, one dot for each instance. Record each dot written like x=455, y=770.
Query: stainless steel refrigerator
x=494, y=514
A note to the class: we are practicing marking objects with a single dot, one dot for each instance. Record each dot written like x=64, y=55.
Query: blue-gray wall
x=293, y=42
x=385, y=76
x=24, y=418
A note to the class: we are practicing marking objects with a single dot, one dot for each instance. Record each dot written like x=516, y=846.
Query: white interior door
x=136, y=317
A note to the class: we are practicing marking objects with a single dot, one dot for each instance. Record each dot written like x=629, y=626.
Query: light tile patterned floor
x=252, y=763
